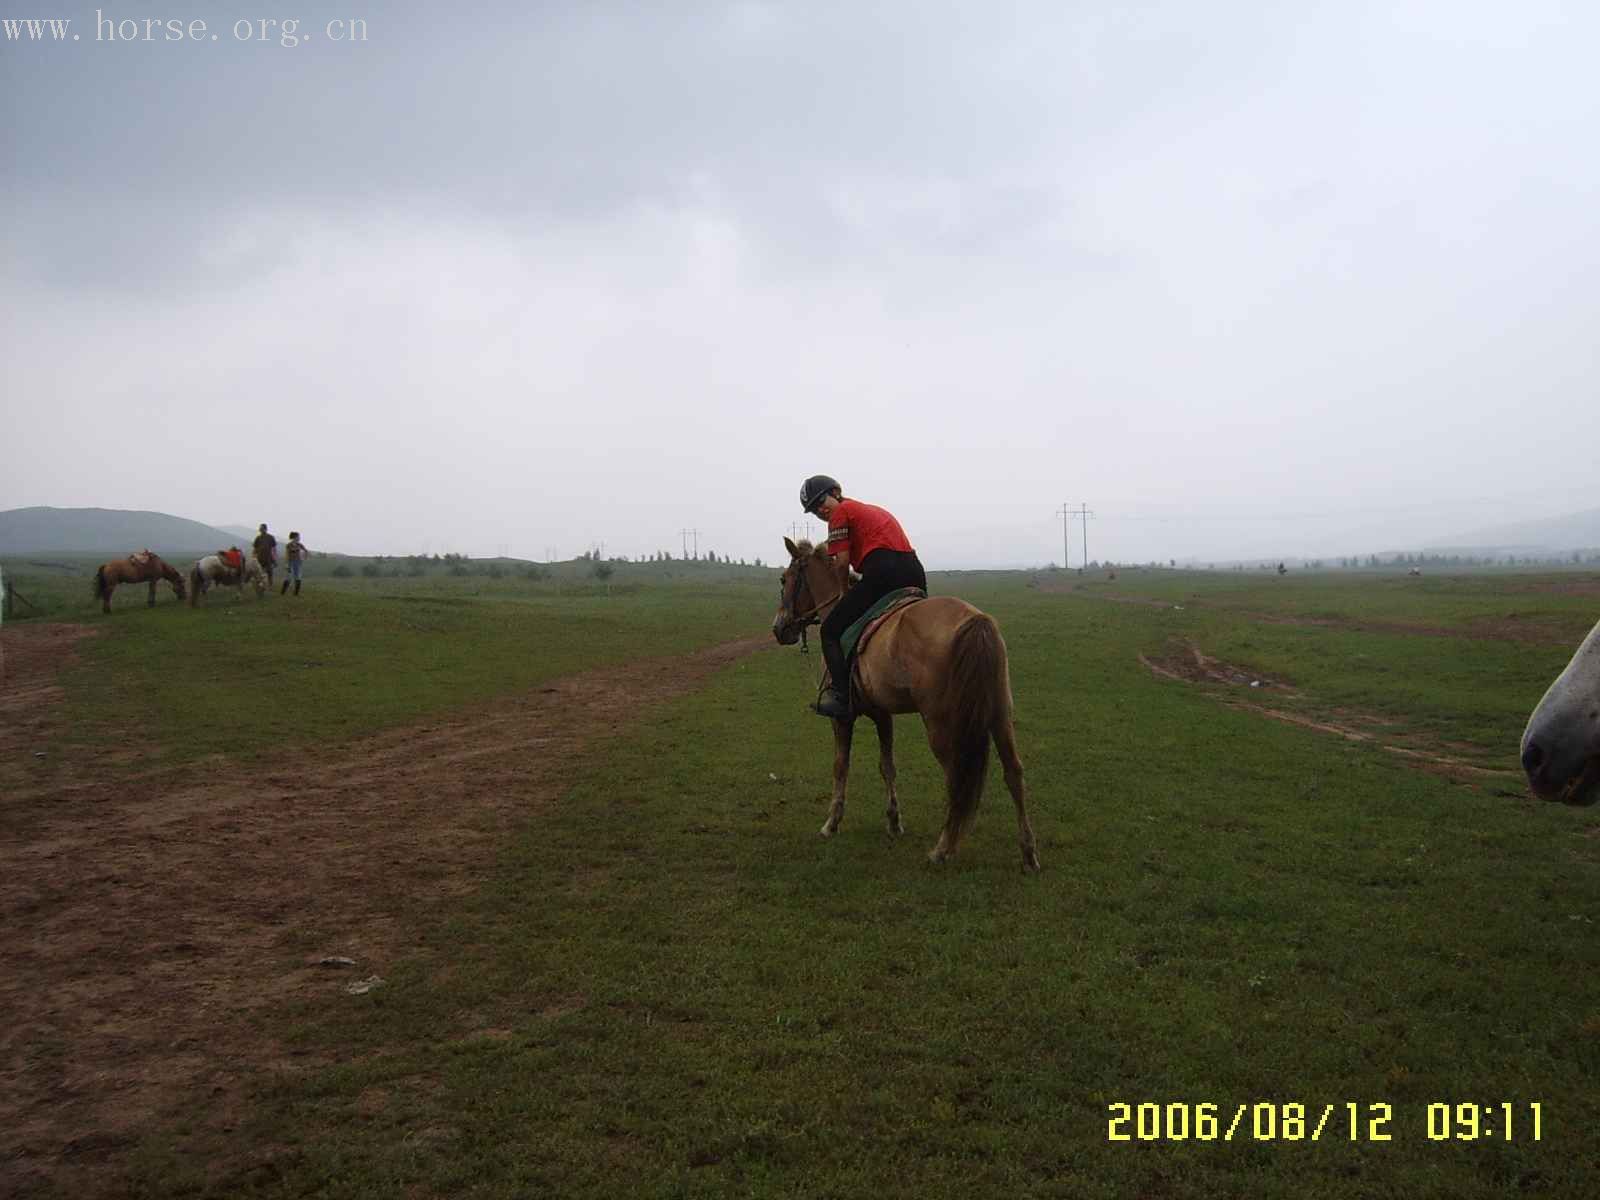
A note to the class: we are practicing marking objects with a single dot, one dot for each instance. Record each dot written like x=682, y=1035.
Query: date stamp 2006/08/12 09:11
x=1274, y=1121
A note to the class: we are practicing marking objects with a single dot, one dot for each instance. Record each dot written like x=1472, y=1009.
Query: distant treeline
x=1374, y=562
x=588, y=563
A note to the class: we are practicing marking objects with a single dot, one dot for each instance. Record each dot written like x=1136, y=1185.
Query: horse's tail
x=100, y=583
x=979, y=696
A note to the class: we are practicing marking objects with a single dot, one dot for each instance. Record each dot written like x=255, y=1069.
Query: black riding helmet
x=814, y=489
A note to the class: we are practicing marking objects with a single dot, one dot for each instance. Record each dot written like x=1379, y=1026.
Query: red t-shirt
x=861, y=529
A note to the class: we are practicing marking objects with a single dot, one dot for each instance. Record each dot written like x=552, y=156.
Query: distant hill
x=108, y=530
x=1575, y=531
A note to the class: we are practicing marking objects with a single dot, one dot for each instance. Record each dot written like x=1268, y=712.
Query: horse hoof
x=1030, y=864
x=937, y=857
x=827, y=829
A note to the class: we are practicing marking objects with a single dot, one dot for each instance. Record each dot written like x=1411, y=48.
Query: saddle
x=140, y=557
x=854, y=639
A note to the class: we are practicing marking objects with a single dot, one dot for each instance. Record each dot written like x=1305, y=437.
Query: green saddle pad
x=894, y=599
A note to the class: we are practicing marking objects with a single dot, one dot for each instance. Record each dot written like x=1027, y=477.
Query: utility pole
x=687, y=534
x=1084, y=513
x=1065, y=514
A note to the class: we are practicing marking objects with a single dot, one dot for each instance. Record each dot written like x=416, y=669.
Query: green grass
x=353, y=656
x=668, y=985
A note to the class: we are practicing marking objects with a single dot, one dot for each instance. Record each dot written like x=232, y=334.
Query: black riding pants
x=882, y=572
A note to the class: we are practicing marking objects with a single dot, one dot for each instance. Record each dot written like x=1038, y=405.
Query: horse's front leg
x=842, y=733
x=885, y=725
x=151, y=603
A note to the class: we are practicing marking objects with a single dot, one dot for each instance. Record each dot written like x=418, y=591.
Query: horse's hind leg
x=151, y=603
x=886, y=769
x=1005, y=744
x=842, y=733
x=942, y=743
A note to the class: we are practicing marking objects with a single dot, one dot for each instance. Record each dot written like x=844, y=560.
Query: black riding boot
x=296, y=587
x=285, y=590
x=835, y=700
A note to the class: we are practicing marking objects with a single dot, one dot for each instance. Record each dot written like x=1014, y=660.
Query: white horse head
x=256, y=575
x=1561, y=746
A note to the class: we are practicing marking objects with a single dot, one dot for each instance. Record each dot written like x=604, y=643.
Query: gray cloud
x=519, y=278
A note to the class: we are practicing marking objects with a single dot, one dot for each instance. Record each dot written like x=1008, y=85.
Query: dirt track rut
x=145, y=923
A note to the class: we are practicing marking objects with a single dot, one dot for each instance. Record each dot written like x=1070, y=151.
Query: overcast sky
x=1247, y=278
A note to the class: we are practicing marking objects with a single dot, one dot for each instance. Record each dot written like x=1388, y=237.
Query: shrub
x=371, y=570
x=342, y=571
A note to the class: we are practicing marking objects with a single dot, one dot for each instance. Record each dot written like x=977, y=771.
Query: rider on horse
x=871, y=541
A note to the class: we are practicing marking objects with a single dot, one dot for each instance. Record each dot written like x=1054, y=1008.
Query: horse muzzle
x=1553, y=775
x=786, y=629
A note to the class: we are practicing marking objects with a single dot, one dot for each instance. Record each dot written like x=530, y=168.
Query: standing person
x=870, y=540
x=294, y=552
x=265, y=548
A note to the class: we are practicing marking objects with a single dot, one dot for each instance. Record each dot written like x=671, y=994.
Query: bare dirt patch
x=153, y=922
x=1188, y=664
x=31, y=658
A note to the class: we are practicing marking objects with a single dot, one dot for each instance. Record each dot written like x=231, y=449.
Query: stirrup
x=832, y=704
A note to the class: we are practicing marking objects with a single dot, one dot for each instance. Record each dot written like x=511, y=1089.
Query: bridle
x=812, y=615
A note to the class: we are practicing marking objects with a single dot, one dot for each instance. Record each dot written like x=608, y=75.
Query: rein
x=810, y=616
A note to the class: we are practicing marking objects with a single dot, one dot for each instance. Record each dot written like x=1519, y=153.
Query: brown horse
x=143, y=567
x=939, y=657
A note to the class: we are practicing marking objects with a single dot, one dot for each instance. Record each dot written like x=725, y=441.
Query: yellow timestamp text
x=1292, y=1121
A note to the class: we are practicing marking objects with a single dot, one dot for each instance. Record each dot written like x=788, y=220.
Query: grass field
x=668, y=985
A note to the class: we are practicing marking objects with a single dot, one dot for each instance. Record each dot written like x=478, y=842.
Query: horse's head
x=170, y=573
x=809, y=587
x=1561, y=746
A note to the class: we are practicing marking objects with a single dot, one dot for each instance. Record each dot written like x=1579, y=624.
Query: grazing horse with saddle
x=939, y=657
x=229, y=567
x=142, y=566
